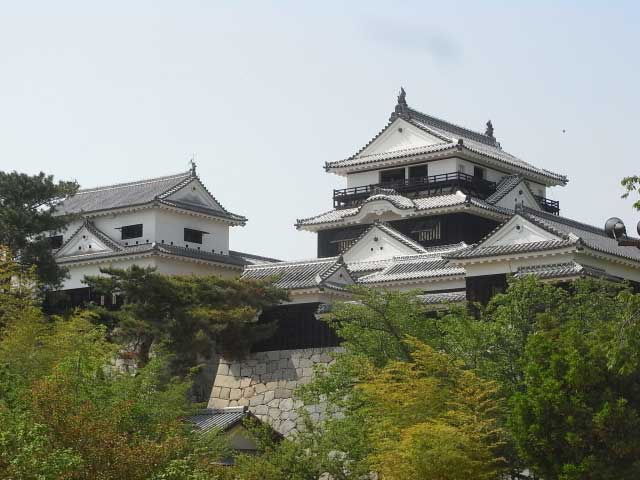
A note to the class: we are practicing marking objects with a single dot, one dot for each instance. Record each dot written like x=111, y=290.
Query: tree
x=67, y=411
x=631, y=184
x=578, y=415
x=27, y=213
x=433, y=419
x=17, y=295
x=190, y=316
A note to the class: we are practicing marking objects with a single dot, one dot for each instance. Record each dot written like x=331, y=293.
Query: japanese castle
x=428, y=206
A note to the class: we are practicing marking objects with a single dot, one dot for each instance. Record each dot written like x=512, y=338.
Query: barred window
x=428, y=233
x=344, y=245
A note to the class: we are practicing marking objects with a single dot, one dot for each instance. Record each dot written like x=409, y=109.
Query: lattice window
x=428, y=233
x=344, y=245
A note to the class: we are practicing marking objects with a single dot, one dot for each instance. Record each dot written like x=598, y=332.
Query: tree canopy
x=27, y=214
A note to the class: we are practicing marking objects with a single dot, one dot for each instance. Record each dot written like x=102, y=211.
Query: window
x=478, y=172
x=55, y=241
x=344, y=245
x=392, y=176
x=193, y=236
x=418, y=171
x=428, y=232
x=131, y=231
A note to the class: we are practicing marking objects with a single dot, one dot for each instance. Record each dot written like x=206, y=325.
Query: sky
x=262, y=94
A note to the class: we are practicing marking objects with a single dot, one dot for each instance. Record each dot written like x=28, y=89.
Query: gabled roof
x=300, y=274
x=393, y=233
x=563, y=270
x=568, y=233
x=219, y=418
x=119, y=250
x=453, y=137
x=436, y=202
x=443, y=297
x=142, y=192
x=506, y=185
x=413, y=268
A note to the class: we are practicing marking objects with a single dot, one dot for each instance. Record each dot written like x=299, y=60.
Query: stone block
x=215, y=392
x=274, y=403
x=256, y=400
x=282, y=393
x=275, y=355
x=315, y=358
x=235, y=394
x=224, y=393
x=233, y=403
x=246, y=371
x=286, y=427
x=284, y=364
x=218, y=403
x=271, y=385
x=307, y=372
x=260, y=388
x=226, y=381
x=260, y=369
x=292, y=385
x=248, y=392
x=274, y=413
x=306, y=363
x=286, y=405
x=243, y=402
x=245, y=382
x=268, y=396
x=261, y=410
x=223, y=369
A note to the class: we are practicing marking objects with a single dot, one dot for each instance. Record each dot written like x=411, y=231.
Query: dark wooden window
x=344, y=245
x=391, y=176
x=428, y=232
x=55, y=241
x=131, y=231
x=478, y=172
x=193, y=236
x=418, y=171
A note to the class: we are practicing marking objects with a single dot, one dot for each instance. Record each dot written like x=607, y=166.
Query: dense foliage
x=27, y=216
x=190, y=316
x=631, y=184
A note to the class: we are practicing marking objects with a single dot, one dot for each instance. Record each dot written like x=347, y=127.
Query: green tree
x=27, y=214
x=631, y=184
x=578, y=414
x=190, y=316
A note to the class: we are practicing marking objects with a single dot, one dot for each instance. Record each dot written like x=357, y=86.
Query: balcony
x=429, y=186
x=550, y=206
x=418, y=186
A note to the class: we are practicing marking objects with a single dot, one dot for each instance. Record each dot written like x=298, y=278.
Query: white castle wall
x=265, y=382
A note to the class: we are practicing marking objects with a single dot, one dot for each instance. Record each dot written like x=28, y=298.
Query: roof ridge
x=293, y=262
x=132, y=184
x=566, y=221
x=478, y=136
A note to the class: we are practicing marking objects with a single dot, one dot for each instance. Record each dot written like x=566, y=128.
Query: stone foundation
x=265, y=382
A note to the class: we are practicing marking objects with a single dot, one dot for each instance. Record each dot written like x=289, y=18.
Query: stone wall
x=265, y=382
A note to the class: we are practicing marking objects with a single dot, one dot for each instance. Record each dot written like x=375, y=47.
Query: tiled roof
x=251, y=259
x=505, y=185
x=450, y=134
x=219, y=418
x=479, y=251
x=404, y=203
x=561, y=270
x=413, y=268
x=443, y=297
x=591, y=237
x=155, y=249
x=137, y=193
x=296, y=275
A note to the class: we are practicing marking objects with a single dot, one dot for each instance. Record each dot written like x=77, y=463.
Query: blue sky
x=264, y=93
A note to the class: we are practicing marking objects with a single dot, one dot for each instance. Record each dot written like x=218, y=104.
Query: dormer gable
x=518, y=231
x=513, y=191
x=195, y=194
x=381, y=242
x=399, y=135
x=85, y=241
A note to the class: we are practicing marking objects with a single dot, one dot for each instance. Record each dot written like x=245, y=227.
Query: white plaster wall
x=362, y=178
x=511, y=266
x=108, y=224
x=617, y=269
x=438, y=167
x=425, y=287
x=170, y=228
x=490, y=174
x=78, y=272
x=170, y=266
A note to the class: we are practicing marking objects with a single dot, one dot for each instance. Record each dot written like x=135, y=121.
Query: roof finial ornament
x=192, y=162
x=489, y=131
x=402, y=109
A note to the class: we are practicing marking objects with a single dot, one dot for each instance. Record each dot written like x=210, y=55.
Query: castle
x=428, y=206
